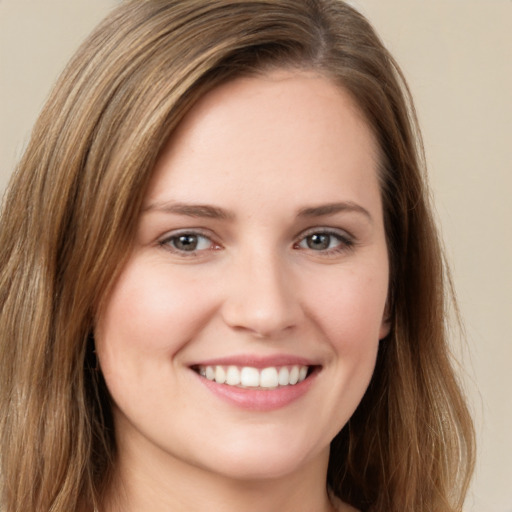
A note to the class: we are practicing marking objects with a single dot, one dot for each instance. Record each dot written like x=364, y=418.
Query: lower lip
x=259, y=399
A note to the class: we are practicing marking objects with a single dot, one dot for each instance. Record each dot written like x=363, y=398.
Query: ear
x=385, y=326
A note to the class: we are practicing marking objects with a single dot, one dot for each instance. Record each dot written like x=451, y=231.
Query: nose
x=262, y=297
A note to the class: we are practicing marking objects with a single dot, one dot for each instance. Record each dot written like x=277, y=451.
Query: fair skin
x=260, y=252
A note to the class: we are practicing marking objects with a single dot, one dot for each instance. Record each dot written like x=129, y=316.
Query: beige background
x=457, y=55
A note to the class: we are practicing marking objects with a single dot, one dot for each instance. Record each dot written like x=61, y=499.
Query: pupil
x=186, y=242
x=318, y=241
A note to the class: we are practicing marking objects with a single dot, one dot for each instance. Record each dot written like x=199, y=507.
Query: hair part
x=68, y=222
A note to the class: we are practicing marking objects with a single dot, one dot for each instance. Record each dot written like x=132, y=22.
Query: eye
x=325, y=241
x=188, y=243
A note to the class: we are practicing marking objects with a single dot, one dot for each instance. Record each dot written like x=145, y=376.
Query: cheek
x=148, y=317
x=351, y=309
x=348, y=309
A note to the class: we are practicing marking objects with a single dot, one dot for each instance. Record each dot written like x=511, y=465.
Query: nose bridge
x=261, y=297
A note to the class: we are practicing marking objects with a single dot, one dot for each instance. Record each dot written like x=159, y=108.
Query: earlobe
x=385, y=326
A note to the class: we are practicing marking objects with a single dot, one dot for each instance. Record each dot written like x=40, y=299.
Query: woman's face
x=260, y=258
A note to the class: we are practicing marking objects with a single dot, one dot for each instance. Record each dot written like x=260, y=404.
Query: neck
x=144, y=483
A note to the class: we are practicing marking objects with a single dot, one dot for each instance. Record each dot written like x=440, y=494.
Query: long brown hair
x=68, y=220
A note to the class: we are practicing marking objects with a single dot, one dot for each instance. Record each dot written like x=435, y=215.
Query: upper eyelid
x=165, y=242
x=343, y=233
x=187, y=231
x=346, y=242
x=326, y=230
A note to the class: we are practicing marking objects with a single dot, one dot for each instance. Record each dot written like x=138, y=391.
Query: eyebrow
x=191, y=210
x=214, y=212
x=334, y=208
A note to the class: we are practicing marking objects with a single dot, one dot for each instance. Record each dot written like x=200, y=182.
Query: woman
x=221, y=283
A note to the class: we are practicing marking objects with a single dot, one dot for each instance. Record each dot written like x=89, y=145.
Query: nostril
x=261, y=322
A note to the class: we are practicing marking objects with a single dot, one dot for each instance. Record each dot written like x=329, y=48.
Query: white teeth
x=268, y=378
x=220, y=375
x=210, y=373
x=284, y=376
x=294, y=375
x=249, y=377
x=233, y=376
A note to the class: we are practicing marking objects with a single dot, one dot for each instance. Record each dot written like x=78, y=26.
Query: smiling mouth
x=247, y=377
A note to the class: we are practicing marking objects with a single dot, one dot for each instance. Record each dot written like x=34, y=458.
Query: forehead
x=294, y=130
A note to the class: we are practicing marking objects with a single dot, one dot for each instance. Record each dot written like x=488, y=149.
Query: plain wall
x=457, y=56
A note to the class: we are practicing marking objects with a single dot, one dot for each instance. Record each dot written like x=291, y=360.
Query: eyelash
x=169, y=242
x=345, y=242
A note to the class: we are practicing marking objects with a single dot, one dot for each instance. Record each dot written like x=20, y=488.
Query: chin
x=258, y=461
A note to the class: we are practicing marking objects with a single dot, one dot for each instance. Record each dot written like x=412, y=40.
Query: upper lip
x=256, y=361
